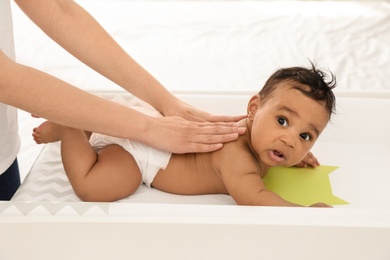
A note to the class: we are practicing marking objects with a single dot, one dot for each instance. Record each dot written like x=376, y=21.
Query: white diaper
x=149, y=160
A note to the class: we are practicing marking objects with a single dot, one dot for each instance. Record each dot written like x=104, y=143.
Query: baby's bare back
x=190, y=174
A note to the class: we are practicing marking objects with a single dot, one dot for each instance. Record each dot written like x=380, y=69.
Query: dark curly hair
x=302, y=78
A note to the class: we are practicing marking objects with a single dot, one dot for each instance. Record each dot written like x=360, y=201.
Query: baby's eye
x=282, y=121
x=305, y=136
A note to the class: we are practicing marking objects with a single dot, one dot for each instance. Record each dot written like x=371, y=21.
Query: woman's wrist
x=169, y=106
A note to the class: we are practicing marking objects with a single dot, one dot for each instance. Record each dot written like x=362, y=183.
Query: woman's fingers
x=177, y=135
x=191, y=113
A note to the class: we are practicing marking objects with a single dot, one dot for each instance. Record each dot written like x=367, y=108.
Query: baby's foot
x=47, y=132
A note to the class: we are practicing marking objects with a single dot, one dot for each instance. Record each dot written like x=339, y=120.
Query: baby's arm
x=309, y=160
x=247, y=188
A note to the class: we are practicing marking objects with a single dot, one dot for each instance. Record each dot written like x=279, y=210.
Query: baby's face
x=285, y=126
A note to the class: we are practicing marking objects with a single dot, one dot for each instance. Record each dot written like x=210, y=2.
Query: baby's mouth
x=279, y=154
x=276, y=156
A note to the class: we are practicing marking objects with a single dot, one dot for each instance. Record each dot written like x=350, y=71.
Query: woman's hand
x=186, y=129
x=188, y=112
x=177, y=135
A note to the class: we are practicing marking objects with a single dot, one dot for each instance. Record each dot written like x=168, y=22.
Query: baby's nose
x=288, y=139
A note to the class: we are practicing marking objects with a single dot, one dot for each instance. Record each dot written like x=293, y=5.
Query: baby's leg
x=107, y=175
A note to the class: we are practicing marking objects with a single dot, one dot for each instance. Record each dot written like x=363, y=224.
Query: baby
x=284, y=121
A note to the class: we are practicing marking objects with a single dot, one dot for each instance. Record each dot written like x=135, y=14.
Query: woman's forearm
x=81, y=35
x=58, y=101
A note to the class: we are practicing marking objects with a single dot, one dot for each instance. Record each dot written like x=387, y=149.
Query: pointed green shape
x=303, y=186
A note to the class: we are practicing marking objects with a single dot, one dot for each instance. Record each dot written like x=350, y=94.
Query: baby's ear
x=253, y=105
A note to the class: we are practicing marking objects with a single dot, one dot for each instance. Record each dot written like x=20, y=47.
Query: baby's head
x=310, y=81
x=289, y=113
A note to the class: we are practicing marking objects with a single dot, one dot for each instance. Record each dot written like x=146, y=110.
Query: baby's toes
x=37, y=138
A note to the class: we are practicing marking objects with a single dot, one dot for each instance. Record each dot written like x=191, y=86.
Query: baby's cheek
x=300, y=157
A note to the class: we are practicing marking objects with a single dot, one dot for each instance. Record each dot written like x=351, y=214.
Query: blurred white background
x=227, y=45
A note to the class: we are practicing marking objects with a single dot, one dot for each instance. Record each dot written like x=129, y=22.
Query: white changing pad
x=47, y=181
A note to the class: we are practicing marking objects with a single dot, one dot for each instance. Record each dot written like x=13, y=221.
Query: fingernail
x=218, y=146
x=235, y=135
x=241, y=130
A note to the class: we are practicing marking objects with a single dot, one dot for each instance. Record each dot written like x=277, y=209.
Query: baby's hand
x=309, y=160
x=320, y=205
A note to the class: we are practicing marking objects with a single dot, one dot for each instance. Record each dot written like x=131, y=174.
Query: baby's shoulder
x=236, y=155
x=235, y=148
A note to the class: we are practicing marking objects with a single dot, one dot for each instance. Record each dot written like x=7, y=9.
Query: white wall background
x=227, y=45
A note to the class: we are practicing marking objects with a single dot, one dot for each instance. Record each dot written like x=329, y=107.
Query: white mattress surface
x=47, y=181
